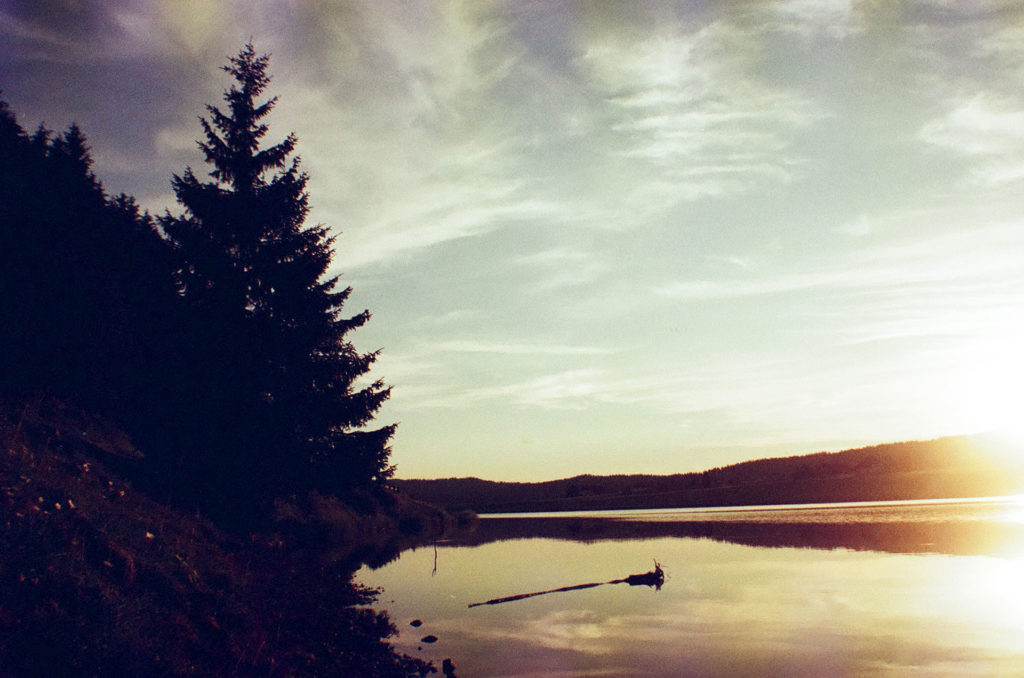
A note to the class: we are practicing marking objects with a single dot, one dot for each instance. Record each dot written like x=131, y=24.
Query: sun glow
x=1014, y=513
x=989, y=393
x=992, y=589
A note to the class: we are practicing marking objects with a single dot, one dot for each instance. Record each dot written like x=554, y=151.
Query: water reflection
x=655, y=578
x=954, y=528
x=857, y=598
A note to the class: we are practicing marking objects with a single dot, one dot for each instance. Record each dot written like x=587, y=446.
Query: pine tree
x=83, y=278
x=277, y=375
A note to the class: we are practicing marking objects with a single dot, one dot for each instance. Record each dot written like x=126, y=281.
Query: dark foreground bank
x=99, y=579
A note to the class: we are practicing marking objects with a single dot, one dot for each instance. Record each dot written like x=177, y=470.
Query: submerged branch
x=655, y=578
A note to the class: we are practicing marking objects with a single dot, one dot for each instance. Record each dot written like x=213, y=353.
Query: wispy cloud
x=434, y=150
x=733, y=261
x=836, y=19
x=678, y=390
x=573, y=389
x=519, y=349
x=990, y=133
x=684, y=104
x=944, y=261
x=441, y=215
x=560, y=268
x=755, y=403
x=859, y=227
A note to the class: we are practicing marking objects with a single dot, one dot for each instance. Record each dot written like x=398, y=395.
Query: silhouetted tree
x=275, y=384
x=84, y=279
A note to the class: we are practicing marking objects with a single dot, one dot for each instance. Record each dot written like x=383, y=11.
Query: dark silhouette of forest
x=189, y=469
x=213, y=336
x=962, y=466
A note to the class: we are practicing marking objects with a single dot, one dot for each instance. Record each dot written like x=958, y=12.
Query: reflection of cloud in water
x=580, y=630
x=729, y=609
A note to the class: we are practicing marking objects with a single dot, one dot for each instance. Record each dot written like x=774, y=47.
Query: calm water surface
x=902, y=589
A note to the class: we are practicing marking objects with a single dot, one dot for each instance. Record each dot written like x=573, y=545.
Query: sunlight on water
x=993, y=589
x=1006, y=509
x=1013, y=512
x=735, y=603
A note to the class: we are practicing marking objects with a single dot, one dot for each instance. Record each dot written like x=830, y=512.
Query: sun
x=989, y=390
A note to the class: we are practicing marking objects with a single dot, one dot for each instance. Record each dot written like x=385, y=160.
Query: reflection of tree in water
x=953, y=537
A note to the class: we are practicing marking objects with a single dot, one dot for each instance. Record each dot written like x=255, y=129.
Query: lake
x=868, y=589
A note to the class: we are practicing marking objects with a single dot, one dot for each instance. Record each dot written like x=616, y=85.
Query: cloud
x=732, y=261
x=940, y=262
x=449, y=212
x=575, y=389
x=682, y=389
x=421, y=136
x=835, y=19
x=1006, y=42
x=561, y=267
x=56, y=30
x=893, y=323
x=684, y=106
x=554, y=257
x=991, y=134
x=977, y=127
x=884, y=321
x=859, y=227
x=571, y=390
x=403, y=111
x=445, y=374
x=468, y=346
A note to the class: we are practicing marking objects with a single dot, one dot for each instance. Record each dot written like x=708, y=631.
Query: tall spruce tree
x=275, y=392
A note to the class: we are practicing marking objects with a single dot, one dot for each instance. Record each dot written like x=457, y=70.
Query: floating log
x=655, y=578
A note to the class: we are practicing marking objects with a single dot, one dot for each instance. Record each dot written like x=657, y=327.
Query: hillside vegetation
x=100, y=579
x=963, y=466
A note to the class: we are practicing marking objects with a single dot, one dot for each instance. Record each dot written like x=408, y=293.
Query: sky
x=611, y=237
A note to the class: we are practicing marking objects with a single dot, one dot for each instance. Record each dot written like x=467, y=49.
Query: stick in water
x=655, y=578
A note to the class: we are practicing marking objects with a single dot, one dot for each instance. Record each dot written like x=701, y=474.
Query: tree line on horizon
x=956, y=466
x=215, y=337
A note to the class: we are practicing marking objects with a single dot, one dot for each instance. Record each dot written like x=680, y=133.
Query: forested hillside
x=215, y=336
x=946, y=467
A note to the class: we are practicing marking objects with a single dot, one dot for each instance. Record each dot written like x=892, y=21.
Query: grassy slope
x=98, y=579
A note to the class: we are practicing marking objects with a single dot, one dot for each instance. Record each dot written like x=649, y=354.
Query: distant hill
x=960, y=466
